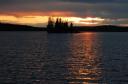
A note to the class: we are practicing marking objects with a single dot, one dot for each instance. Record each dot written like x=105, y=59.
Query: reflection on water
x=84, y=64
x=66, y=58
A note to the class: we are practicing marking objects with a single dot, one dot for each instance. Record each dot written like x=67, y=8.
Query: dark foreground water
x=81, y=58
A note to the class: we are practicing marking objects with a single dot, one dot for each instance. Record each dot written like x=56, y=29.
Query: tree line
x=58, y=24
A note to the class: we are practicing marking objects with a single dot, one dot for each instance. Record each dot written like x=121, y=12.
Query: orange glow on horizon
x=38, y=13
x=38, y=19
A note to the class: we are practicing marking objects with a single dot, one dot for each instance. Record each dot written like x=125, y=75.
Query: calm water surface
x=79, y=58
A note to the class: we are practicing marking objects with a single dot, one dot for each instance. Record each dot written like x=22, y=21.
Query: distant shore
x=102, y=28
x=15, y=27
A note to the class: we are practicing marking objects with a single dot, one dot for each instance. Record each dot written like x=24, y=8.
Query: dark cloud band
x=81, y=8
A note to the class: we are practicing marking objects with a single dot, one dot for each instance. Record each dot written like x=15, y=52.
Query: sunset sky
x=80, y=12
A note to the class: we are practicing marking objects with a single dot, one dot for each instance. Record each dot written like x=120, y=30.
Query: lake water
x=65, y=58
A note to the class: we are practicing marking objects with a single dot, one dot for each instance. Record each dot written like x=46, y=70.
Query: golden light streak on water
x=85, y=65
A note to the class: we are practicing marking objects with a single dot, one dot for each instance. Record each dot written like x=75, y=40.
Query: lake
x=65, y=58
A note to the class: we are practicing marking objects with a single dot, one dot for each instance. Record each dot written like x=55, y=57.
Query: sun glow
x=89, y=21
x=33, y=20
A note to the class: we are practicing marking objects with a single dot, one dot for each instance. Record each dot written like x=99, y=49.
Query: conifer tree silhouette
x=58, y=24
x=50, y=23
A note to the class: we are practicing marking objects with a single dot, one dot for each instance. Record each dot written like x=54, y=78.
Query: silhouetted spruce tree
x=71, y=25
x=50, y=23
x=57, y=23
x=60, y=23
x=66, y=24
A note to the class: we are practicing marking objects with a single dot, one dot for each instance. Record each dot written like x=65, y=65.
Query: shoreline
x=75, y=29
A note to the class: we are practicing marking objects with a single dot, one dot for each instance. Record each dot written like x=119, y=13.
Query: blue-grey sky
x=115, y=11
